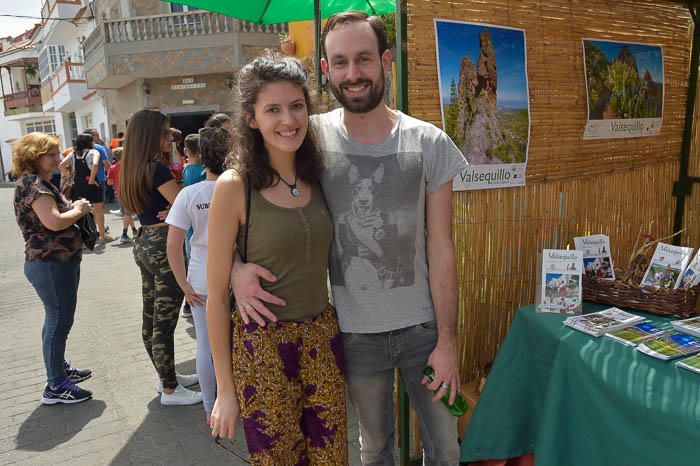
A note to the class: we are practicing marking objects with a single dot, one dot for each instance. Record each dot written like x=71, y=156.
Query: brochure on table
x=597, y=323
x=670, y=346
x=692, y=363
x=690, y=326
x=559, y=283
x=636, y=334
x=691, y=275
x=597, y=258
x=666, y=266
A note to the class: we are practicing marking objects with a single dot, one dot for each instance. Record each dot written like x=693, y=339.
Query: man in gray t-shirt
x=388, y=185
x=376, y=194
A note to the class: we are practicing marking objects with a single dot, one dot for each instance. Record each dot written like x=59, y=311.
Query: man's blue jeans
x=370, y=360
x=56, y=283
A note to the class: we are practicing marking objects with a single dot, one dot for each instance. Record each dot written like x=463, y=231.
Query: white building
x=21, y=111
x=63, y=87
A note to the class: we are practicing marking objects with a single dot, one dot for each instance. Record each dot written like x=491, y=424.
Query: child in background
x=194, y=170
x=191, y=211
x=192, y=173
x=113, y=181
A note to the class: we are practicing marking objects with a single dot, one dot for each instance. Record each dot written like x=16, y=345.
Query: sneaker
x=116, y=212
x=104, y=239
x=76, y=375
x=181, y=397
x=124, y=238
x=184, y=380
x=66, y=392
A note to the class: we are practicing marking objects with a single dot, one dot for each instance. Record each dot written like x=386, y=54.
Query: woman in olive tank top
x=283, y=379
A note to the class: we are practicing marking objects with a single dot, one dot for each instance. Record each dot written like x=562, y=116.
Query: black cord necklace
x=292, y=187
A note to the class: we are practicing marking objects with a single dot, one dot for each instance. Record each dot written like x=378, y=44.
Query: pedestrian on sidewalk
x=106, y=158
x=113, y=181
x=53, y=251
x=84, y=163
x=190, y=212
x=192, y=173
x=177, y=153
x=147, y=187
x=284, y=380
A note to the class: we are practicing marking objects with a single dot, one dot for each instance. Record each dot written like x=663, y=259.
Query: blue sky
x=648, y=57
x=456, y=40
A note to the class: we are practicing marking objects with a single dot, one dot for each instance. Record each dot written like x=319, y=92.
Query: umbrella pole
x=317, y=45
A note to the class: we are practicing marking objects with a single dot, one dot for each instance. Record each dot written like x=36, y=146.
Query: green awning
x=283, y=11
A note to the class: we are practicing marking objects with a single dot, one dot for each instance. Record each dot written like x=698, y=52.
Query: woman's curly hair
x=28, y=149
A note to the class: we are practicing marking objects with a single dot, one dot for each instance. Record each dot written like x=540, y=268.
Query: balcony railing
x=20, y=102
x=170, y=26
x=49, y=5
x=68, y=72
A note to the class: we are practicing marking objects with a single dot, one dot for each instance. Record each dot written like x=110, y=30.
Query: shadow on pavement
x=98, y=251
x=50, y=426
x=176, y=435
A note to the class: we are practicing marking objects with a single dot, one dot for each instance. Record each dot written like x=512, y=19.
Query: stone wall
x=149, y=7
x=215, y=96
x=122, y=103
x=189, y=95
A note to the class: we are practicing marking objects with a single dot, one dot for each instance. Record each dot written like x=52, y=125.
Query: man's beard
x=361, y=104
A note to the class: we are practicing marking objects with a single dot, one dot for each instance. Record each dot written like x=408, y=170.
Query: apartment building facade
x=22, y=107
x=181, y=61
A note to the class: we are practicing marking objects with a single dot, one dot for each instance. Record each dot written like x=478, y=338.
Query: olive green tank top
x=293, y=244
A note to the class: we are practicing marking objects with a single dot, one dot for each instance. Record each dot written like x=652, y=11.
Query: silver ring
x=444, y=386
x=245, y=306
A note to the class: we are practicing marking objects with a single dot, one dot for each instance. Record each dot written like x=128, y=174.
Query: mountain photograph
x=623, y=80
x=483, y=88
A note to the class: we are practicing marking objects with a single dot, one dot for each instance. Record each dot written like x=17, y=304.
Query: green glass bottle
x=460, y=405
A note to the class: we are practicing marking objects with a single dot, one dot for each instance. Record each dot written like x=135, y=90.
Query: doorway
x=189, y=123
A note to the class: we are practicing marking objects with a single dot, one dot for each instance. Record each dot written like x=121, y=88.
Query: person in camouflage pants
x=161, y=301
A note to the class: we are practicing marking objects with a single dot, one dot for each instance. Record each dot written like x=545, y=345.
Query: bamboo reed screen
x=574, y=187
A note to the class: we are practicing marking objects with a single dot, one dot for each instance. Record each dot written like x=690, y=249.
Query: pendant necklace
x=292, y=187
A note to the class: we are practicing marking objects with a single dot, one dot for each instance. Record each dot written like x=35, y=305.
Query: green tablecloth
x=576, y=400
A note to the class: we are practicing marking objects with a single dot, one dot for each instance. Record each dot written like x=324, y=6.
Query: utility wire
x=49, y=19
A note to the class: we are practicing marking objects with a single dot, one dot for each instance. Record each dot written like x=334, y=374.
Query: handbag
x=88, y=230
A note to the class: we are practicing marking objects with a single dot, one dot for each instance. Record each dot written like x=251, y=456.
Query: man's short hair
x=355, y=16
x=192, y=144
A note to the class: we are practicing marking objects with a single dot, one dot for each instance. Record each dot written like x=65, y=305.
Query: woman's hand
x=82, y=205
x=192, y=297
x=224, y=416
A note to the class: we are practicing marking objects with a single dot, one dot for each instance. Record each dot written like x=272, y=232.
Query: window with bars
x=73, y=125
x=50, y=58
x=187, y=21
x=42, y=126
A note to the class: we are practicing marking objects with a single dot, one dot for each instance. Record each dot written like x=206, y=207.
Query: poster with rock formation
x=482, y=71
x=625, y=88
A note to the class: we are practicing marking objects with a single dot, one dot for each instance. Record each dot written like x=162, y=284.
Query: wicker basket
x=661, y=301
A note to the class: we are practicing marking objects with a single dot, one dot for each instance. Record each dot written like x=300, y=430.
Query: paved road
x=124, y=423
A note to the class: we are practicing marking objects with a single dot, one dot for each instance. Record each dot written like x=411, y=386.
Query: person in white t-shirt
x=191, y=209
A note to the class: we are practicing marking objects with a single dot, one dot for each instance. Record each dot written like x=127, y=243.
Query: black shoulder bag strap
x=244, y=252
x=244, y=256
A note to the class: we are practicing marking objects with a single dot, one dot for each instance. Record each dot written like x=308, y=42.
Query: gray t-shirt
x=376, y=196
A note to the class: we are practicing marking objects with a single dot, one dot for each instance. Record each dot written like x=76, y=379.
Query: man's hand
x=245, y=282
x=443, y=360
